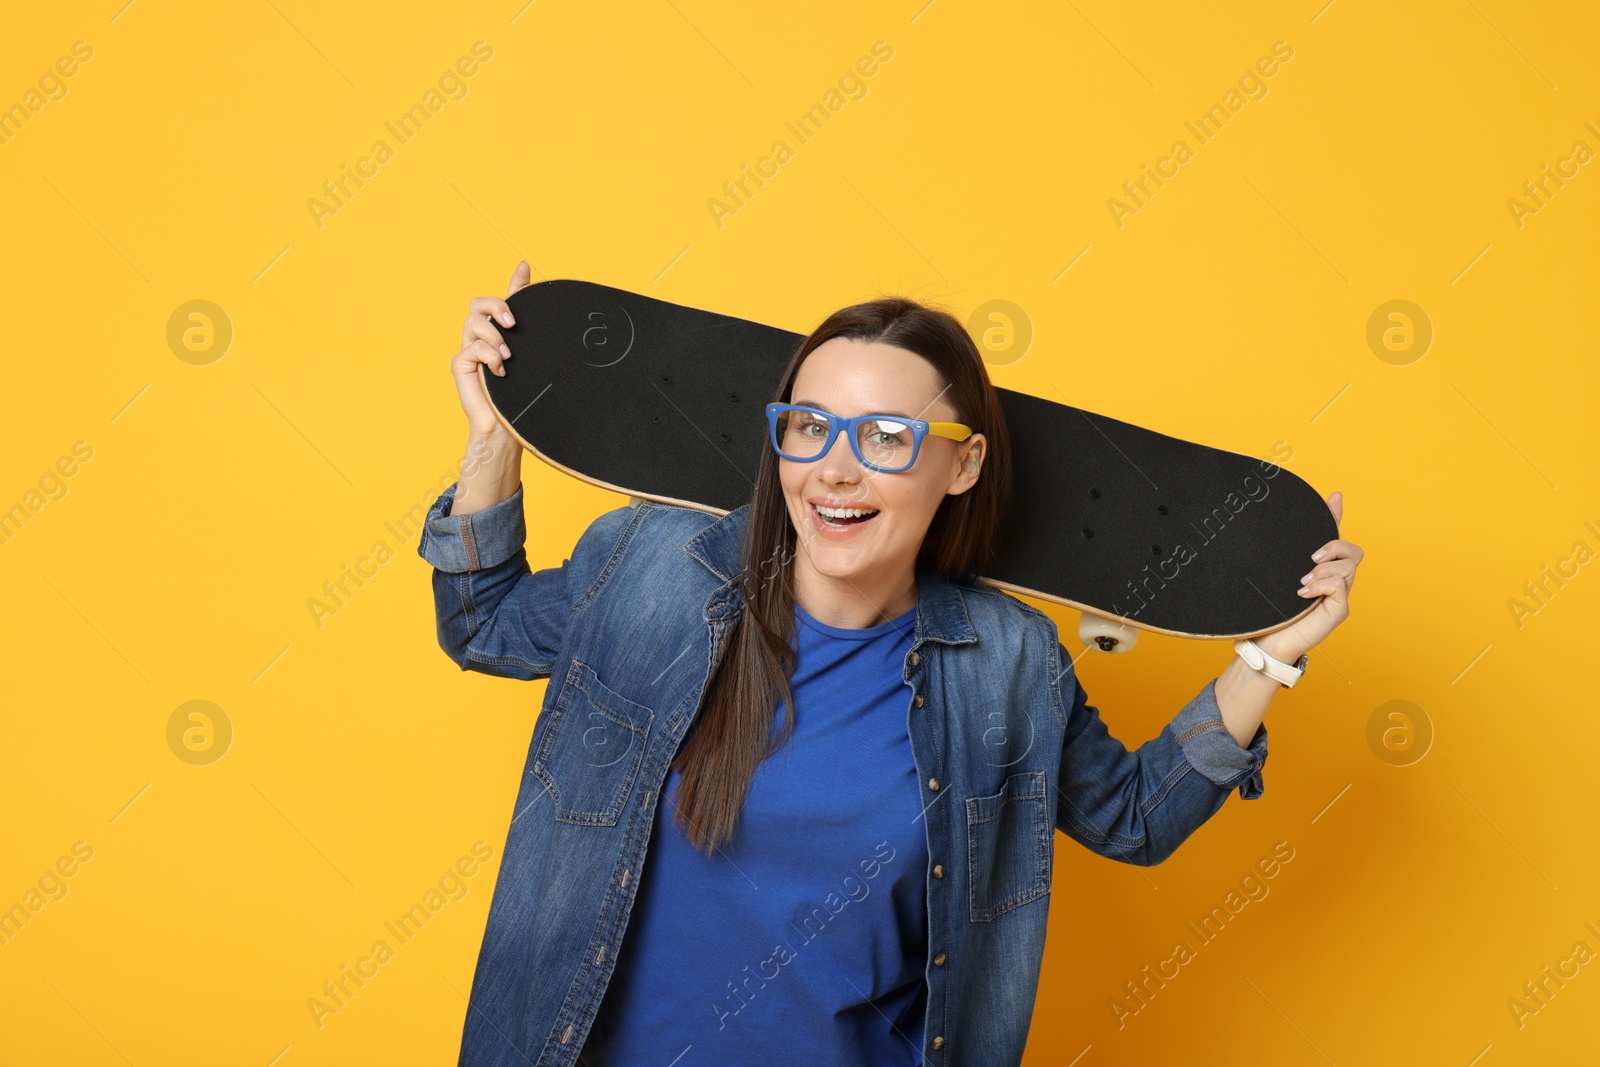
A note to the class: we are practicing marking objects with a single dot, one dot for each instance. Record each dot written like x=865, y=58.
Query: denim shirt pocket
x=591, y=748
x=1009, y=846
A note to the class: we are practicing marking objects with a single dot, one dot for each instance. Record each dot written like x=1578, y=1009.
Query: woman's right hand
x=481, y=343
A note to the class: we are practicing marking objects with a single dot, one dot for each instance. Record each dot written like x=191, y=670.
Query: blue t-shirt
x=808, y=929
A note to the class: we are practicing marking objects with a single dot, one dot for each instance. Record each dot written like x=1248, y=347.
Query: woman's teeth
x=844, y=516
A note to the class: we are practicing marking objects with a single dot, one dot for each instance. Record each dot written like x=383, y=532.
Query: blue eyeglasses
x=886, y=443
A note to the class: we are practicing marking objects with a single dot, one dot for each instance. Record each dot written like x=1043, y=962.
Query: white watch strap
x=1253, y=654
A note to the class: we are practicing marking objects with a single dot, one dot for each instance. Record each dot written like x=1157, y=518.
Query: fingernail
x=1304, y=578
x=1302, y=590
x=1319, y=553
x=504, y=351
x=509, y=318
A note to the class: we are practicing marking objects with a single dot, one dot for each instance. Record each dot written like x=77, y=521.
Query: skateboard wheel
x=1107, y=635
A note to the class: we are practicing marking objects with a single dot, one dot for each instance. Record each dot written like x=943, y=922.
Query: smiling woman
x=740, y=707
x=890, y=355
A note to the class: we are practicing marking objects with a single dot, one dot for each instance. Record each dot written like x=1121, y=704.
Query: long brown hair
x=733, y=733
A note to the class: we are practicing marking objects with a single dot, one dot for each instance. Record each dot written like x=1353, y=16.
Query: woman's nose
x=840, y=464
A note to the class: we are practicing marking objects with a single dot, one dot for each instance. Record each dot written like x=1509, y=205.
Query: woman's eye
x=889, y=435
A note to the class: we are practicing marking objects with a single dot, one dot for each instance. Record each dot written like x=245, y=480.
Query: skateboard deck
x=667, y=403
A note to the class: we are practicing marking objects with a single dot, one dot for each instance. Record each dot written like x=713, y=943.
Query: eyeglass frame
x=920, y=428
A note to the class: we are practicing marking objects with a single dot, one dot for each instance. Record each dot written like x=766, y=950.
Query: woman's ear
x=972, y=453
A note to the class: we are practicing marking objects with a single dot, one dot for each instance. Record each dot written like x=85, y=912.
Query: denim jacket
x=1007, y=748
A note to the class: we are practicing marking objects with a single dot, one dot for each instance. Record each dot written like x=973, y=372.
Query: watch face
x=1303, y=662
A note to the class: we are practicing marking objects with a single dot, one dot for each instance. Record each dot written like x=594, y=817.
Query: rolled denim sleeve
x=1207, y=744
x=496, y=615
x=459, y=544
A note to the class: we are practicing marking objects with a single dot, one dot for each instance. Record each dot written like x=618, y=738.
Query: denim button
x=917, y=700
x=933, y=784
x=938, y=961
x=915, y=659
x=938, y=871
x=938, y=1042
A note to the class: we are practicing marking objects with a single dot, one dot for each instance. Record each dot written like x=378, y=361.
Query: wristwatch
x=1285, y=674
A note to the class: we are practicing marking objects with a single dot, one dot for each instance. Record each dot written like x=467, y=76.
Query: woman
x=806, y=764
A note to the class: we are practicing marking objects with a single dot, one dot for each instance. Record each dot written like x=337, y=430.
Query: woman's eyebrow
x=824, y=407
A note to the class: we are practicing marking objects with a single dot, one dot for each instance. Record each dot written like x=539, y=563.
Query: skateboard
x=1135, y=529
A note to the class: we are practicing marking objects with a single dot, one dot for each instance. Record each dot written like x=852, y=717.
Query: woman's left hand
x=1329, y=581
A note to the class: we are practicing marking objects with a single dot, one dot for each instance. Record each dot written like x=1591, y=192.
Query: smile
x=841, y=522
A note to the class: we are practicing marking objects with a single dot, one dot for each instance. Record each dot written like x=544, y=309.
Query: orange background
x=230, y=474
